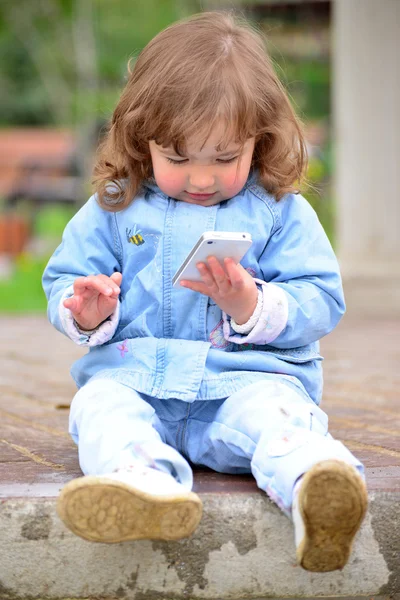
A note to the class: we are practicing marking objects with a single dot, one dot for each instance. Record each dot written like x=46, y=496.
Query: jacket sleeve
x=301, y=284
x=90, y=245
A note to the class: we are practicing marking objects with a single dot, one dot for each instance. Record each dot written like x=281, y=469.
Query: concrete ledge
x=243, y=548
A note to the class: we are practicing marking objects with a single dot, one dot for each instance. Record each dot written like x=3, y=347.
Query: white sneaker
x=130, y=504
x=329, y=504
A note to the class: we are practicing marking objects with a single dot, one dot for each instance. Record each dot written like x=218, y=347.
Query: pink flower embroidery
x=217, y=336
x=123, y=348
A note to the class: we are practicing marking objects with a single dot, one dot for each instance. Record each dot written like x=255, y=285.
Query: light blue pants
x=267, y=429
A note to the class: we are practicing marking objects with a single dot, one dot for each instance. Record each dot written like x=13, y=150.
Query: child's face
x=204, y=175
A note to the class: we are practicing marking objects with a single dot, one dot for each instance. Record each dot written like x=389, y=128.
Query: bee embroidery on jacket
x=134, y=237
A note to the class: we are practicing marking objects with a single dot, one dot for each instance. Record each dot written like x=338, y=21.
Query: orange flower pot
x=14, y=234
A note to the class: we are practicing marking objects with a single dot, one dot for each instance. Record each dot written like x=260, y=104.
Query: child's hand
x=95, y=298
x=232, y=288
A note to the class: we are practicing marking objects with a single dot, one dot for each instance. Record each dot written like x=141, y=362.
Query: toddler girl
x=224, y=373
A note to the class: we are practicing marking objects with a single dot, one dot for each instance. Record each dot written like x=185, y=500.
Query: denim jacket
x=177, y=343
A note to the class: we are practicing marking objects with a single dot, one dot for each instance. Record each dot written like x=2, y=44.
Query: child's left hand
x=232, y=287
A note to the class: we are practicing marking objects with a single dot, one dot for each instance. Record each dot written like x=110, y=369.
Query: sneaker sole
x=103, y=510
x=332, y=502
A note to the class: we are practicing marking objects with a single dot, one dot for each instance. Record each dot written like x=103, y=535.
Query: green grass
x=50, y=221
x=23, y=291
x=318, y=193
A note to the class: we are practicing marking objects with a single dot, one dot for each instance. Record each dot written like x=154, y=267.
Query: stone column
x=366, y=106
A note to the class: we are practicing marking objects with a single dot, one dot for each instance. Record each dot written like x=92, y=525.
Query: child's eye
x=226, y=161
x=176, y=162
x=223, y=161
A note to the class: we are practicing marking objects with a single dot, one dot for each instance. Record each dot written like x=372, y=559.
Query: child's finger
x=207, y=277
x=196, y=286
x=80, y=285
x=235, y=273
x=109, y=282
x=117, y=278
x=71, y=304
x=219, y=275
x=92, y=282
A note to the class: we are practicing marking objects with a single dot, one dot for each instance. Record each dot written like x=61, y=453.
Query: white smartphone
x=221, y=244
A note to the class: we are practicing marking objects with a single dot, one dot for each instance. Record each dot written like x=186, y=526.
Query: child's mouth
x=200, y=196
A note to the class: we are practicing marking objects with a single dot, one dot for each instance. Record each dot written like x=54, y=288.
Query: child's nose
x=201, y=179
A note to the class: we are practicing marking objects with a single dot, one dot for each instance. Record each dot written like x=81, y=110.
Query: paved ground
x=362, y=382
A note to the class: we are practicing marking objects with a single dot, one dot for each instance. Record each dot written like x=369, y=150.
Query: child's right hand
x=95, y=298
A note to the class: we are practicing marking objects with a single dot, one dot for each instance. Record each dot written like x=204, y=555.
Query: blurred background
x=63, y=65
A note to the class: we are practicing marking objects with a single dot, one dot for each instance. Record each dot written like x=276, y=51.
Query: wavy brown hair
x=195, y=73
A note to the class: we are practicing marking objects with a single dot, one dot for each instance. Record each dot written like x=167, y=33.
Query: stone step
x=243, y=548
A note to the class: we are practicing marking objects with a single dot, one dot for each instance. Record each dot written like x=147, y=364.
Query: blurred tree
x=65, y=59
